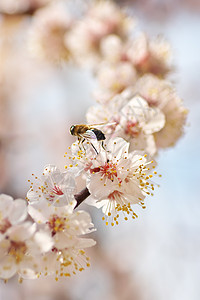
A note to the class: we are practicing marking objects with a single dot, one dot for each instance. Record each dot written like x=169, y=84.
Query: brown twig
x=81, y=196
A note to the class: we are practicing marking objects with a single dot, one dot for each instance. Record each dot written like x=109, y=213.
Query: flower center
x=132, y=129
x=4, y=225
x=57, y=190
x=109, y=170
x=56, y=224
x=95, y=170
x=114, y=195
x=18, y=250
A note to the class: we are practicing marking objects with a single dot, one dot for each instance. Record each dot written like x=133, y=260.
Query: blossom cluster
x=39, y=239
x=138, y=112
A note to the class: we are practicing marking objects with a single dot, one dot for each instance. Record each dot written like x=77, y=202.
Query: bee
x=89, y=132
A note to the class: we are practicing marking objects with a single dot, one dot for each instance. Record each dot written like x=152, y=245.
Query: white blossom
x=113, y=79
x=117, y=179
x=108, y=111
x=137, y=124
x=66, y=227
x=46, y=40
x=102, y=19
x=12, y=212
x=112, y=48
x=20, y=244
x=21, y=248
x=135, y=120
x=161, y=94
x=140, y=112
x=149, y=56
x=54, y=186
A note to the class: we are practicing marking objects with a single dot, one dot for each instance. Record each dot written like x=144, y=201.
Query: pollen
x=109, y=170
x=56, y=224
x=17, y=250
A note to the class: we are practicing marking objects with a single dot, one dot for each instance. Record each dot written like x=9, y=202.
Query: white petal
x=8, y=267
x=151, y=145
x=136, y=159
x=5, y=205
x=133, y=192
x=21, y=232
x=109, y=207
x=51, y=169
x=48, y=263
x=19, y=211
x=118, y=147
x=144, y=143
x=27, y=273
x=4, y=246
x=44, y=241
x=63, y=200
x=85, y=243
x=32, y=196
x=80, y=223
x=64, y=210
x=100, y=189
x=136, y=108
x=69, y=181
x=94, y=202
x=63, y=240
x=29, y=267
x=41, y=211
x=155, y=122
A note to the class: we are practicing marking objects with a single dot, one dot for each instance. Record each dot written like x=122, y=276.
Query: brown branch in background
x=81, y=196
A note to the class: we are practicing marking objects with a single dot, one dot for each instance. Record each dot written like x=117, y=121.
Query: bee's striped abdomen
x=99, y=134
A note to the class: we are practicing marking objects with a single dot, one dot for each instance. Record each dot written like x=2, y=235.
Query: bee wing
x=102, y=124
x=89, y=134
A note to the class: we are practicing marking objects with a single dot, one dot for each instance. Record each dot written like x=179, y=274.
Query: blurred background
x=157, y=256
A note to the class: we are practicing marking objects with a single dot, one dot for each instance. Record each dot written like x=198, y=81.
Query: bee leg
x=80, y=141
x=94, y=148
x=83, y=145
x=103, y=146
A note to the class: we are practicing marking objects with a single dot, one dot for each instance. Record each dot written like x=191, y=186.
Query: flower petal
x=21, y=232
x=19, y=211
x=155, y=122
x=8, y=267
x=85, y=243
x=5, y=206
x=118, y=147
x=43, y=240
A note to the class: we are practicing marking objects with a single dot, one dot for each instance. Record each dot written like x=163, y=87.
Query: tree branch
x=81, y=196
